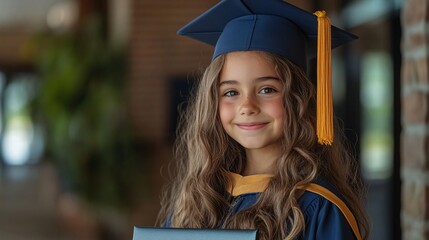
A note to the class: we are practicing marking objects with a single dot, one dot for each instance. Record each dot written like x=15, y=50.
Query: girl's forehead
x=247, y=65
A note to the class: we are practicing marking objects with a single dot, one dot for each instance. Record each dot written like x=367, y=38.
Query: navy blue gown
x=323, y=220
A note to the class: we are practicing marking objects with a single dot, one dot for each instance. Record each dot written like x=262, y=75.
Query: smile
x=251, y=126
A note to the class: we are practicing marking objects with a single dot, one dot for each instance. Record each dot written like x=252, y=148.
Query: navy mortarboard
x=280, y=28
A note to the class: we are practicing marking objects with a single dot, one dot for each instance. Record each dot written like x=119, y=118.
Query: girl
x=249, y=154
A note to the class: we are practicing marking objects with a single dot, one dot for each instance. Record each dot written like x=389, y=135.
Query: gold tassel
x=325, y=125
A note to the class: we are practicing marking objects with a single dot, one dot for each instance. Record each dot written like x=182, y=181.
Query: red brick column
x=415, y=120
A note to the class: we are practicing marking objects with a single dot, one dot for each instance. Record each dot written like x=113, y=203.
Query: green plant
x=81, y=104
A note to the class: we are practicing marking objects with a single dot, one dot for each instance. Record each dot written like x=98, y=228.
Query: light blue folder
x=149, y=233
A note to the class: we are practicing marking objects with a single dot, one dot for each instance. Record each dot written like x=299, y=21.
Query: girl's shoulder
x=311, y=198
x=326, y=213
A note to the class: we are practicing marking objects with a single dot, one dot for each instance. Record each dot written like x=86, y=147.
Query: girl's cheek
x=226, y=110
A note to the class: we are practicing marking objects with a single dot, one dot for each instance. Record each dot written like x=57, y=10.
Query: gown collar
x=239, y=184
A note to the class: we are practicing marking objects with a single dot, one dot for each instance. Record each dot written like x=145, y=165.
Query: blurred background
x=89, y=91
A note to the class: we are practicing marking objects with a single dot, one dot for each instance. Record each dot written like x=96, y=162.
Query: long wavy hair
x=204, y=153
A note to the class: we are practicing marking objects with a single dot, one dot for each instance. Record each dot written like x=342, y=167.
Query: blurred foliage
x=81, y=104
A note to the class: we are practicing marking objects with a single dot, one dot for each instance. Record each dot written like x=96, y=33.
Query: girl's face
x=251, y=105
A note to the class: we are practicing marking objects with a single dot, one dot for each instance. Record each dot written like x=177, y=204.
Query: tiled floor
x=28, y=204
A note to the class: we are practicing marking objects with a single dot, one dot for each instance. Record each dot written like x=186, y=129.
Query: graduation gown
x=323, y=219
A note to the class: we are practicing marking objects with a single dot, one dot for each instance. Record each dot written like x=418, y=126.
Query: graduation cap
x=280, y=28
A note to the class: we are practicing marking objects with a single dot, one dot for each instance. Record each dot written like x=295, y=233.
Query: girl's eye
x=267, y=90
x=230, y=93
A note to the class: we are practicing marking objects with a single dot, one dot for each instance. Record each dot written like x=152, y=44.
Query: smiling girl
x=248, y=154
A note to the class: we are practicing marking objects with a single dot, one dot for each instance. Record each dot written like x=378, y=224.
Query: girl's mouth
x=251, y=126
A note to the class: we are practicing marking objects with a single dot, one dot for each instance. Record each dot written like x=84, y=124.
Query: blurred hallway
x=28, y=207
x=138, y=71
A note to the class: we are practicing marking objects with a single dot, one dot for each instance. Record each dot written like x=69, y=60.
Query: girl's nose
x=249, y=106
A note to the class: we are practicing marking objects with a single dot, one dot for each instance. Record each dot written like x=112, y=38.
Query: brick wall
x=157, y=55
x=415, y=120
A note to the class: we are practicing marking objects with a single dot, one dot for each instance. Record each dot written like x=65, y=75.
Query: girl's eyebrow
x=261, y=79
x=265, y=78
x=228, y=82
